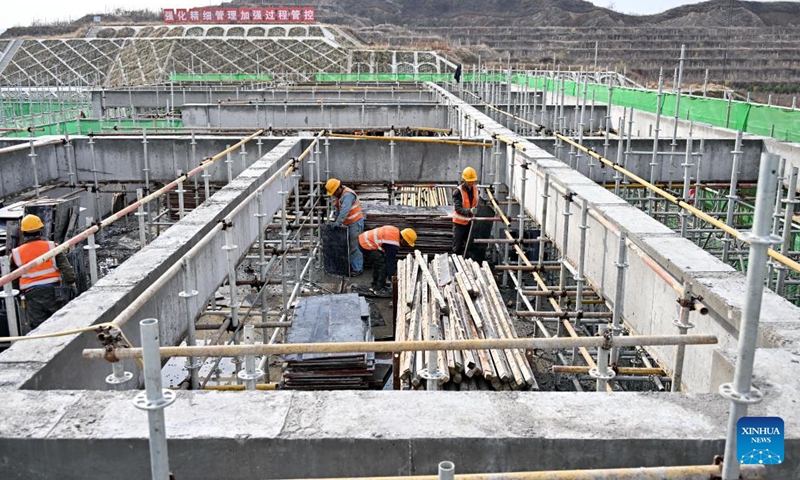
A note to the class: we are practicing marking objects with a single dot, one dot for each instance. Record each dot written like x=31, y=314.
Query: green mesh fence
x=84, y=127
x=780, y=123
x=16, y=108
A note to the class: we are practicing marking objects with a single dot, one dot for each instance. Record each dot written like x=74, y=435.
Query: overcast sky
x=16, y=12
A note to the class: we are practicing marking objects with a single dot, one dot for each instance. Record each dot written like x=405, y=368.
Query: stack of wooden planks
x=433, y=225
x=423, y=196
x=455, y=298
x=326, y=319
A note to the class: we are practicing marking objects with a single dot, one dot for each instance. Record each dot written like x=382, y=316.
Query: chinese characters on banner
x=240, y=15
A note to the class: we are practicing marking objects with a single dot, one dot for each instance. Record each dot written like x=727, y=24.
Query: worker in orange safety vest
x=38, y=284
x=465, y=207
x=349, y=215
x=381, y=246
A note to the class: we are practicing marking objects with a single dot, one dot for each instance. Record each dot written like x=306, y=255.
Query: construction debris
x=453, y=298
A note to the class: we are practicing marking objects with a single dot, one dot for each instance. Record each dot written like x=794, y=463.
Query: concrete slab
x=634, y=221
x=37, y=413
x=725, y=293
x=92, y=306
x=598, y=196
x=681, y=257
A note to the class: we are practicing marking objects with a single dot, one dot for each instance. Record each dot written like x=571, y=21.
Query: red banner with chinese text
x=240, y=15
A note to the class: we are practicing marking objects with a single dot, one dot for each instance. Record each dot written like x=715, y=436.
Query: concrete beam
x=113, y=293
x=251, y=435
x=314, y=115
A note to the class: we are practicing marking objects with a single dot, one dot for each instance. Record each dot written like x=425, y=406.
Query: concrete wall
x=712, y=156
x=649, y=303
x=123, y=158
x=250, y=435
x=644, y=122
x=150, y=98
x=59, y=358
x=363, y=160
x=62, y=433
x=314, y=116
x=16, y=168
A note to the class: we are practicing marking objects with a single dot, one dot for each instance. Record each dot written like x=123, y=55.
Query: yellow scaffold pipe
x=783, y=259
x=405, y=346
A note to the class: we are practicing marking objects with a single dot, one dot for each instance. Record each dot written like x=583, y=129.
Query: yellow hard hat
x=469, y=175
x=332, y=185
x=31, y=223
x=409, y=235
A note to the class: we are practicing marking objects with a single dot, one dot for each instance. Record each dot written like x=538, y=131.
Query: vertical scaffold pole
x=154, y=399
x=739, y=392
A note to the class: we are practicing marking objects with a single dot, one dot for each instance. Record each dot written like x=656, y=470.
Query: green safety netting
x=84, y=127
x=16, y=108
x=781, y=123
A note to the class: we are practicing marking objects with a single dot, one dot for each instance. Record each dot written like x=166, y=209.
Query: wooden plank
x=468, y=275
x=508, y=327
x=514, y=358
x=467, y=298
x=407, y=358
x=467, y=357
x=426, y=274
x=412, y=271
x=401, y=307
x=504, y=371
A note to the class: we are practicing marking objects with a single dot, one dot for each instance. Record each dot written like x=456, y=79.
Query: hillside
x=477, y=13
x=554, y=13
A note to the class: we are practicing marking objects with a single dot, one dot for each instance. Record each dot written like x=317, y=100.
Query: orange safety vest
x=44, y=274
x=355, y=211
x=457, y=217
x=375, y=239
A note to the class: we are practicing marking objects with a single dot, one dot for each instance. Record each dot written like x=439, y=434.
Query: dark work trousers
x=460, y=234
x=475, y=251
x=378, y=260
x=40, y=303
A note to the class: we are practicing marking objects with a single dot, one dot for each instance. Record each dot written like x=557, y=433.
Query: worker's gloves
x=73, y=290
x=473, y=211
x=337, y=225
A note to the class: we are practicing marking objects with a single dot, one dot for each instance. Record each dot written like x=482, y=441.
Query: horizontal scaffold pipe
x=409, y=346
x=694, y=472
x=437, y=140
x=161, y=281
x=618, y=370
x=130, y=208
x=783, y=259
x=27, y=144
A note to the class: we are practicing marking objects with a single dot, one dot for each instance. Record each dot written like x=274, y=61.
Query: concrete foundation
x=62, y=405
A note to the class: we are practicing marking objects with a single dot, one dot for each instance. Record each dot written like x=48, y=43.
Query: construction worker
x=465, y=207
x=381, y=246
x=348, y=214
x=38, y=284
